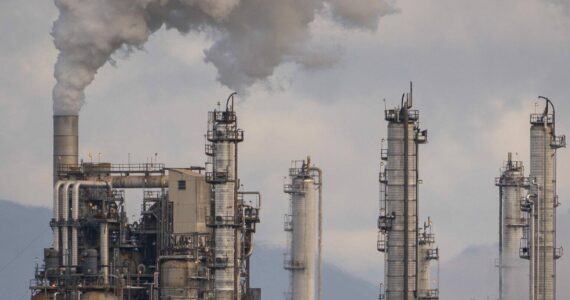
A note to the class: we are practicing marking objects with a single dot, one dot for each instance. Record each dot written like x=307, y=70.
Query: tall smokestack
x=65, y=142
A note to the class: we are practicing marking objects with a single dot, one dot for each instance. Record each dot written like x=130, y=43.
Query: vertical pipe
x=75, y=214
x=406, y=202
x=65, y=152
x=56, y=217
x=501, y=296
x=320, y=236
x=64, y=213
x=104, y=244
x=237, y=250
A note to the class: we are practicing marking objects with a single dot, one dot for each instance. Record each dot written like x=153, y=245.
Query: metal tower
x=303, y=224
x=398, y=220
x=428, y=284
x=539, y=240
x=513, y=187
x=234, y=216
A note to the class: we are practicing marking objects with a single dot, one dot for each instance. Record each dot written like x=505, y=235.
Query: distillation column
x=542, y=248
x=398, y=220
x=302, y=223
x=224, y=136
x=428, y=253
x=513, y=186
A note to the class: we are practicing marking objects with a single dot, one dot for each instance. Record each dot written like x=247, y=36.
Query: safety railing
x=558, y=142
x=538, y=119
x=229, y=135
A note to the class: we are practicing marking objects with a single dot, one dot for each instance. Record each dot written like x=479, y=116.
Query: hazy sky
x=477, y=67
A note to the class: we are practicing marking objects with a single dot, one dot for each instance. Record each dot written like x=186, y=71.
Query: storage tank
x=176, y=279
x=89, y=262
x=51, y=259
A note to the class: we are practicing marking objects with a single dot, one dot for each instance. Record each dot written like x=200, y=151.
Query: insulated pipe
x=56, y=203
x=75, y=214
x=320, y=236
x=65, y=142
x=64, y=213
x=104, y=249
x=138, y=182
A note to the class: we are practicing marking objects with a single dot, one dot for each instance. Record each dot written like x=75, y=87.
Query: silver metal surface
x=512, y=269
x=401, y=246
x=398, y=215
x=303, y=224
x=543, y=239
x=104, y=251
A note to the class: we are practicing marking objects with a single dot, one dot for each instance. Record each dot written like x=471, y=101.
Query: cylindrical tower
x=512, y=269
x=65, y=142
x=176, y=279
x=542, y=243
x=398, y=221
x=302, y=224
x=428, y=253
x=224, y=135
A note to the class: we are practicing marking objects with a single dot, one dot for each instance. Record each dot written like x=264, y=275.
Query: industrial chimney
x=65, y=142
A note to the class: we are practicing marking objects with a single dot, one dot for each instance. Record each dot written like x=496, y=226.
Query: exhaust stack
x=65, y=142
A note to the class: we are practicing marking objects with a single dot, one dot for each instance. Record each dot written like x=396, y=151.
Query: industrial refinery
x=194, y=238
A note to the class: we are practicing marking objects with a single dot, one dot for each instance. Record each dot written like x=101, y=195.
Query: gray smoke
x=251, y=37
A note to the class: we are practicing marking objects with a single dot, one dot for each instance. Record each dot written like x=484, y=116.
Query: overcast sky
x=477, y=67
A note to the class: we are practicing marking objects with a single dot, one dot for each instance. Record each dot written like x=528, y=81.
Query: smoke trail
x=252, y=37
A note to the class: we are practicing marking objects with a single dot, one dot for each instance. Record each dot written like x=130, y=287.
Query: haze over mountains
x=24, y=232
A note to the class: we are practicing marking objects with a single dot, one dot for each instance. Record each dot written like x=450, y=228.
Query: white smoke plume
x=251, y=37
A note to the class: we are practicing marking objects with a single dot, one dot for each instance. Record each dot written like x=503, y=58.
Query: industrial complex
x=195, y=236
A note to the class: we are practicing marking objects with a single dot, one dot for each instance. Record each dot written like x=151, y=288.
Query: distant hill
x=268, y=273
x=24, y=232
x=472, y=275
